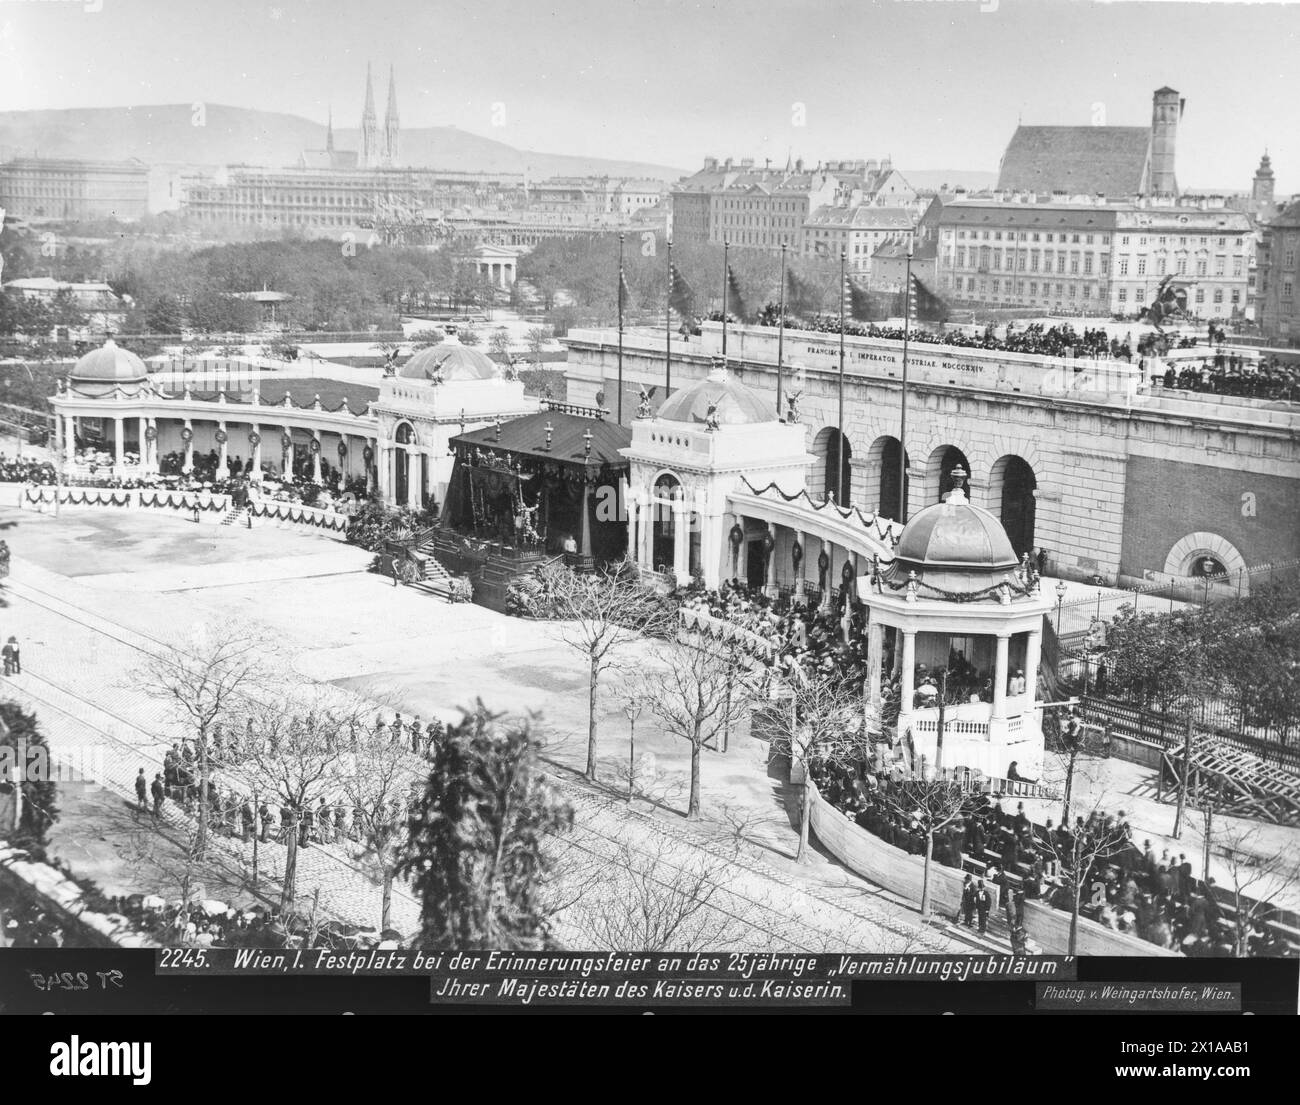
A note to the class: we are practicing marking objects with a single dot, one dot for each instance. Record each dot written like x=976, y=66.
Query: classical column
x=1000, y=678
x=70, y=438
x=412, y=478
x=383, y=469
x=633, y=532
x=315, y=457
x=771, y=562
x=1033, y=657
x=370, y=468
x=256, y=474
x=649, y=508
x=681, y=541
x=830, y=573
x=119, y=443
x=289, y=457
x=803, y=566
x=187, y=465
x=584, y=545
x=875, y=650
x=223, y=466
x=908, y=677
x=142, y=439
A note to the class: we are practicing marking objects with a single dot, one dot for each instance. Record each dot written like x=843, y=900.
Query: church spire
x=329, y=132
x=369, y=127
x=391, y=121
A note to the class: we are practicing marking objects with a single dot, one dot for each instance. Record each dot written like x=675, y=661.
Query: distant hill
x=171, y=134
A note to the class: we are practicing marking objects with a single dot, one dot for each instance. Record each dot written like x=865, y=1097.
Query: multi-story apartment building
x=74, y=190
x=859, y=230
x=1093, y=258
x=755, y=207
x=1279, y=277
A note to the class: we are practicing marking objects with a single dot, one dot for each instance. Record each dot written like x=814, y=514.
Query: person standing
x=10, y=654
x=159, y=794
x=983, y=903
x=142, y=791
x=968, y=902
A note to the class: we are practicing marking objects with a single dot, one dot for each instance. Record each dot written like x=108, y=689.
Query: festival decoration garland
x=871, y=522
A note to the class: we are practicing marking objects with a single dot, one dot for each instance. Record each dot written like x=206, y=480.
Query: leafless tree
x=599, y=613
x=202, y=680
x=1257, y=874
x=694, y=691
x=296, y=756
x=820, y=726
x=376, y=776
x=931, y=805
x=1079, y=855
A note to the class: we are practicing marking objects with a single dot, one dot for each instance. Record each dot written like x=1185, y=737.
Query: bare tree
x=376, y=777
x=694, y=692
x=1257, y=874
x=297, y=756
x=931, y=805
x=1078, y=855
x=202, y=680
x=820, y=726
x=652, y=897
x=599, y=613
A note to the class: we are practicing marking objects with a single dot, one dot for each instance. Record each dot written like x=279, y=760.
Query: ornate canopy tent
x=552, y=481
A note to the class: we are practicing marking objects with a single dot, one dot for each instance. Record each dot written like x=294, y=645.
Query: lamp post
x=1060, y=600
x=632, y=709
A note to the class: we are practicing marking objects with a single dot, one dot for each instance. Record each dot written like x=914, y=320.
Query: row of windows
x=1077, y=291
x=1036, y=236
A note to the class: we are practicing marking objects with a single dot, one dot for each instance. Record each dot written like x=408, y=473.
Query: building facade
x=1279, y=277
x=39, y=188
x=1105, y=259
x=859, y=231
x=1113, y=479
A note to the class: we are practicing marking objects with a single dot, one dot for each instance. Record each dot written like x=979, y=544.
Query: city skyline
x=917, y=82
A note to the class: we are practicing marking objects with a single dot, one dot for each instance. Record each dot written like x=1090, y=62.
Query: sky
x=934, y=84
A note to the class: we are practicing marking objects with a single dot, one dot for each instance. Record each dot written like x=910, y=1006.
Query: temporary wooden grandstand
x=1241, y=783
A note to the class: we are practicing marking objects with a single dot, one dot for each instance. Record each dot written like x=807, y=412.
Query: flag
x=680, y=296
x=800, y=300
x=863, y=305
x=736, y=304
x=926, y=305
x=624, y=292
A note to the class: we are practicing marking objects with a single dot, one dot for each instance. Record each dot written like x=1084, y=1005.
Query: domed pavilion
x=963, y=621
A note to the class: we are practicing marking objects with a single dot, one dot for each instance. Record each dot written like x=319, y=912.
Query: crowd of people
x=26, y=470
x=1231, y=374
x=1124, y=888
x=232, y=809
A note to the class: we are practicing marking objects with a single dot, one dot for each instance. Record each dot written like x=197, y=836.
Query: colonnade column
x=142, y=439
x=907, y=676
x=187, y=465
x=681, y=541
x=119, y=443
x=383, y=469
x=829, y=549
x=223, y=456
x=1000, y=678
x=315, y=456
x=875, y=649
x=412, y=478
x=256, y=473
x=633, y=532
x=70, y=438
x=370, y=468
x=649, y=509
x=771, y=562
x=1033, y=657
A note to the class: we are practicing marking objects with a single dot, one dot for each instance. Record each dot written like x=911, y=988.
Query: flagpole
x=620, y=329
x=668, y=325
x=839, y=439
x=726, y=273
x=780, y=338
x=902, y=428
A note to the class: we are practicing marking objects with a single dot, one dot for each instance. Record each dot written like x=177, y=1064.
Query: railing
x=1171, y=731
x=558, y=407
x=189, y=501
x=722, y=630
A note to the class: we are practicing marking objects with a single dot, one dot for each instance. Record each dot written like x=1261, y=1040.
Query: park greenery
x=1233, y=662
x=20, y=735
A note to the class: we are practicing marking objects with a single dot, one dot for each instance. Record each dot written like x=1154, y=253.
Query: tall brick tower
x=391, y=122
x=1166, y=110
x=370, y=152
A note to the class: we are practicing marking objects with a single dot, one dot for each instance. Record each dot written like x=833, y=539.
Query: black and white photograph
x=650, y=506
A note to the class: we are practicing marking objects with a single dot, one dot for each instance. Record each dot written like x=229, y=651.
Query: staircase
x=434, y=578
x=235, y=516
